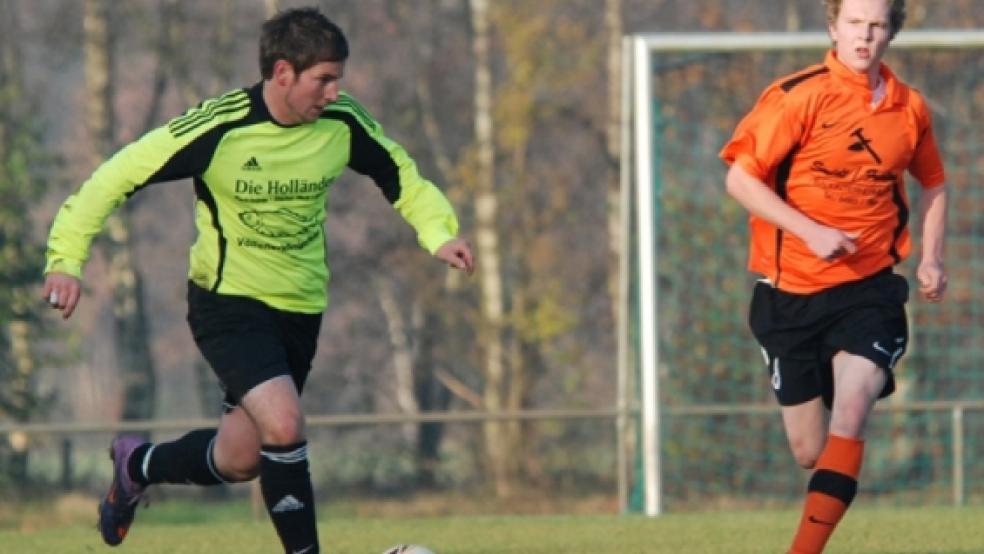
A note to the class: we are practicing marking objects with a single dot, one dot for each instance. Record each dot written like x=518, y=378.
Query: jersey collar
x=894, y=92
x=260, y=109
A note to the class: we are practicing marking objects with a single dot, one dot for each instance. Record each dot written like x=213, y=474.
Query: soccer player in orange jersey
x=819, y=164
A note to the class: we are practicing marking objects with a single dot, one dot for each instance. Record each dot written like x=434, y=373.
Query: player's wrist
x=932, y=258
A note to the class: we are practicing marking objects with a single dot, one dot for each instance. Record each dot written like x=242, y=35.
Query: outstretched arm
x=931, y=273
x=457, y=254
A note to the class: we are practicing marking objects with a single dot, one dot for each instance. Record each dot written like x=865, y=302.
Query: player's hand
x=62, y=291
x=932, y=280
x=457, y=254
x=830, y=244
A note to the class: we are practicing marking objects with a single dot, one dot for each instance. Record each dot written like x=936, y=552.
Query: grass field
x=183, y=527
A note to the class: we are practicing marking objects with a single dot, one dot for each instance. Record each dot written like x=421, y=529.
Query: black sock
x=134, y=465
x=186, y=460
x=289, y=497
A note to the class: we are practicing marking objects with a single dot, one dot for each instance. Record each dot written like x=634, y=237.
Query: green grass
x=186, y=528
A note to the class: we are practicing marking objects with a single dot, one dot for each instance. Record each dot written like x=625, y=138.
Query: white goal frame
x=637, y=178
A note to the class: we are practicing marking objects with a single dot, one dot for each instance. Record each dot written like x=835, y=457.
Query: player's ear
x=283, y=72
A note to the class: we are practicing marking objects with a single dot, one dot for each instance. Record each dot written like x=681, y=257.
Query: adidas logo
x=288, y=504
x=251, y=164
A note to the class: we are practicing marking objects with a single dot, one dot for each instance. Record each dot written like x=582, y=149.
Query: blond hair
x=896, y=13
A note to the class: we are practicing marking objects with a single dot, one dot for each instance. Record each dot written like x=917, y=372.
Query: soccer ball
x=408, y=549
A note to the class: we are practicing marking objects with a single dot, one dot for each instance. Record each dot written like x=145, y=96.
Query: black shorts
x=247, y=342
x=800, y=333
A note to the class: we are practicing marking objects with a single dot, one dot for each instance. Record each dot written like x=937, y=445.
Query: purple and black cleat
x=117, y=509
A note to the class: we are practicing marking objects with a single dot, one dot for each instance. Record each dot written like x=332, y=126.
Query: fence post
x=958, y=455
x=67, y=469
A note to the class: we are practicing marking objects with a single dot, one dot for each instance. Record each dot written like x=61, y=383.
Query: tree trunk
x=616, y=236
x=487, y=250
x=441, y=343
x=22, y=388
x=613, y=139
x=525, y=363
x=20, y=255
x=431, y=395
x=129, y=318
x=223, y=45
x=792, y=15
x=18, y=400
x=403, y=355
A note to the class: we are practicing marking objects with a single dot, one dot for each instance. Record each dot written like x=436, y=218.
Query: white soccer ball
x=408, y=549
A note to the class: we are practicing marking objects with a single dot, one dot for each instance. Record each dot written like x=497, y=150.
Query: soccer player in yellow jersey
x=262, y=159
x=819, y=164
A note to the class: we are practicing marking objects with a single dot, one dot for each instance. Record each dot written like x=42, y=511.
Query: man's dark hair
x=303, y=37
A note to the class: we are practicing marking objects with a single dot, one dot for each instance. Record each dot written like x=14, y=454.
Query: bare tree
x=129, y=318
x=20, y=257
x=440, y=330
x=487, y=246
x=616, y=213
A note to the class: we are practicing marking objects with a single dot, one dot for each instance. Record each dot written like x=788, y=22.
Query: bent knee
x=806, y=453
x=239, y=475
x=284, y=432
x=241, y=470
x=806, y=460
x=238, y=464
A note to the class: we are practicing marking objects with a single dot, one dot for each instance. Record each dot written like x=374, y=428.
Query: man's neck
x=273, y=98
x=874, y=78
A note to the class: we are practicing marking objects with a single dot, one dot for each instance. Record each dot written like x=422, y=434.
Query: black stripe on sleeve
x=788, y=84
x=208, y=110
x=191, y=160
x=186, y=127
x=359, y=111
x=194, y=158
x=368, y=157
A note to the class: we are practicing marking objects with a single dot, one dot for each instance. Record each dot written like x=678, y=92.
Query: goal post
x=645, y=156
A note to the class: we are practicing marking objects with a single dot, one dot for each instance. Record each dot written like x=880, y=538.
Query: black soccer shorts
x=248, y=342
x=801, y=333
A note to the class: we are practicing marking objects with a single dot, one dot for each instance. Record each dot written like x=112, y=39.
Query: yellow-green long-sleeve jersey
x=261, y=191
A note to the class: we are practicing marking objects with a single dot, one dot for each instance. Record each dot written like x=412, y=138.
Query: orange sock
x=831, y=489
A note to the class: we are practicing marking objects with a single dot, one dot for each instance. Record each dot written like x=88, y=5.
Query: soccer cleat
x=117, y=509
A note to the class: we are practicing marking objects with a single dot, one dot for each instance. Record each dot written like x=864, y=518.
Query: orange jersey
x=816, y=140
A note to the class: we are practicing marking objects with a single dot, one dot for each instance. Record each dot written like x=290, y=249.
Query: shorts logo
x=776, y=378
x=892, y=356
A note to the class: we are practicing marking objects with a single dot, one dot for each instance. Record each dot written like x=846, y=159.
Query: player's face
x=861, y=33
x=309, y=91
